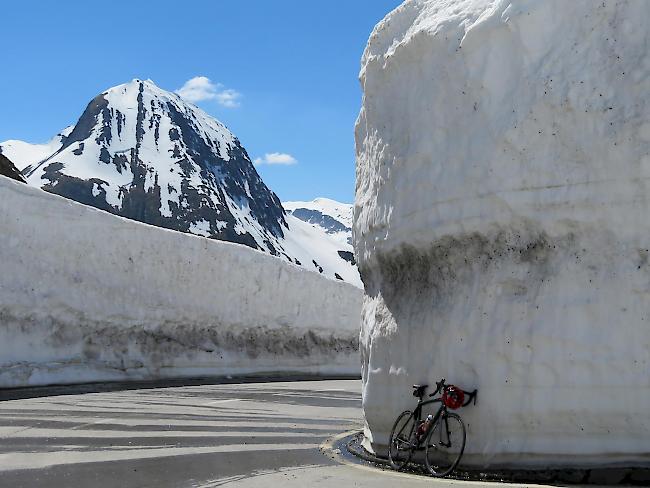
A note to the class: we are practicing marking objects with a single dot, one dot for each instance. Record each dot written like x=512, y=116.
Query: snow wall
x=502, y=224
x=88, y=296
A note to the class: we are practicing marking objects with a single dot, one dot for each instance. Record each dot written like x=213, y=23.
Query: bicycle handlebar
x=439, y=386
x=471, y=396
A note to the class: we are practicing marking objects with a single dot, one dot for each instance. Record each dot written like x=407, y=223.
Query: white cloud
x=229, y=98
x=201, y=88
x=276, y=158
x=198, y=89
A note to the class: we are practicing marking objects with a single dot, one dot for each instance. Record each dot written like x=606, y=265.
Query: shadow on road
x=79, y=389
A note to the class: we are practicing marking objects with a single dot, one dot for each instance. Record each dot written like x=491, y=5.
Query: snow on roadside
x=89, y=296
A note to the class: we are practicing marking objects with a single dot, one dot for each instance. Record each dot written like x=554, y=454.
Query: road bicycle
x=441, y=435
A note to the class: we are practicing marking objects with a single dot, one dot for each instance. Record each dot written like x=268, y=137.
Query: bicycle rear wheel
x=400, y=445
x=445, y=445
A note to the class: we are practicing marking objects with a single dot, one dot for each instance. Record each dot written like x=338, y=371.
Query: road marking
x=41, y=460
x=256, y=474
x=91, y=423
x=225, y=401
x=134, y=433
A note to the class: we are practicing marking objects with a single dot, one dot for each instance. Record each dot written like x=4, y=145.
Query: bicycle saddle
x=418, y=390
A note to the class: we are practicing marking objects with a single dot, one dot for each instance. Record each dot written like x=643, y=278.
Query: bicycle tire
x=408, y=426
x=442, y=453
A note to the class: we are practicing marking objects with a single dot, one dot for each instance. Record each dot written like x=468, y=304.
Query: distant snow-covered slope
x=317, y=250
x=326, y=224
x=144, y=153
x=26, y=154
x=337, y=210
x=335, y=218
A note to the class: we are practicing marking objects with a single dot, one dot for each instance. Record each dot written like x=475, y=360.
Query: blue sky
x=283, y=73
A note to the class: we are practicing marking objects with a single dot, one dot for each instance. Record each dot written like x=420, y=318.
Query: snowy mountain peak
x=138, y=102
x=144, y=153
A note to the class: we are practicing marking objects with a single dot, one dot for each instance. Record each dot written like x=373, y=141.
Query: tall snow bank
x=88, y=296
x=501, y=223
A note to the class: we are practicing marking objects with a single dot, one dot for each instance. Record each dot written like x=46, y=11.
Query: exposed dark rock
x=348, y=256
x=327, y=222
x=7, y=168
x=91, y=116
x=318, y=266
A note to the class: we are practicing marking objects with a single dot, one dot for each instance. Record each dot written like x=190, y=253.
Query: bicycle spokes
x=445, y=445
x=446, y=435
x=400, y=447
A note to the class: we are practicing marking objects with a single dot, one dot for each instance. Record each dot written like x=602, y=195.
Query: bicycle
x=443, y=434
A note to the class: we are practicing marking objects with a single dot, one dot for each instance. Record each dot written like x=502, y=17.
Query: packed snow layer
x=88, y=296
x=501, y=224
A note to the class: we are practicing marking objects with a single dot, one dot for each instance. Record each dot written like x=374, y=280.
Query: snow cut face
x=132, y=301
x=501, y=224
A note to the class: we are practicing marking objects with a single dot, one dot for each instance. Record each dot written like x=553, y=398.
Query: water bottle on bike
x=423, y=428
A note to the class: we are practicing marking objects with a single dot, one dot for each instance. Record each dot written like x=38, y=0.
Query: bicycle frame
x=417, y=415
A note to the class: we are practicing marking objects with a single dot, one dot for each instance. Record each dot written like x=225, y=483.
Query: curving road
x=239, y=435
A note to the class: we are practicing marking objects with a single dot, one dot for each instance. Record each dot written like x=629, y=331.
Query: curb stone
x=606, y=476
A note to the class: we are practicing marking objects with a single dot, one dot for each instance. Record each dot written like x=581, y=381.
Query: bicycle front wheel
x=400, y=442
x=445, y=445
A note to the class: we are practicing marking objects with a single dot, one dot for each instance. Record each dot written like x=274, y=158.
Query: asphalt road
x=237, y=435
